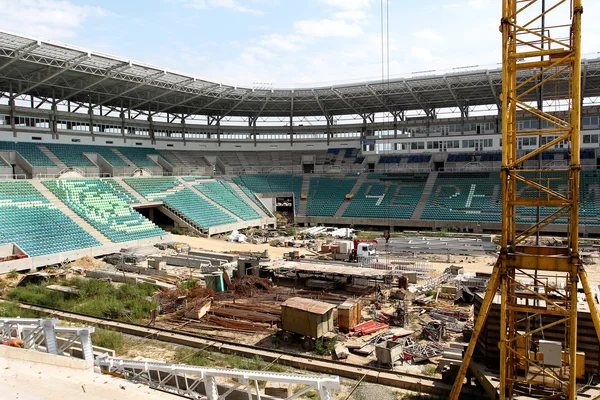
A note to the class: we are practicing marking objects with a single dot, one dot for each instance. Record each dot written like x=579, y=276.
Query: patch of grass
x=323, y=348
x=369, y=235
x=203, y=358
x=108, y=339
x=128, y=302
x=12, y=274
x=187, y=285
x=8, y=309
x=429, y=370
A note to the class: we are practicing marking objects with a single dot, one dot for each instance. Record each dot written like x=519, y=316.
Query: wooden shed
x=307, y=317
x=349, y=315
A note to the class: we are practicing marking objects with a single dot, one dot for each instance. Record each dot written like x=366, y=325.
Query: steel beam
x=110, y=73
x=68, y=64
x=146, y=81
x=165, y=93
x=202, y=93
x=21, y=52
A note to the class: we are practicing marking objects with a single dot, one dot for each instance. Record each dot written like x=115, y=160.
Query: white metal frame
x=186, y=380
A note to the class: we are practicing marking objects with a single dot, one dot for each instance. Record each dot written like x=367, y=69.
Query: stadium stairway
x=190, y=185
x=425, y=195
x=131, y=191
x=244, y=196
x=122, y=157
x=361, y=179
x=305, y=189
x=70, y=213
x=52, y=157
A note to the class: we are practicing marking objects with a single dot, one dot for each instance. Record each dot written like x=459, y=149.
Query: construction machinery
x=541, y=63
x=363, y=248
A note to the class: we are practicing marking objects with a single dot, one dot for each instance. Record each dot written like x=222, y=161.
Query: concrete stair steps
x=425, y=195
x=243, y=195
x=130, y=190
x=199, y=193
x=361, y=179
x=305, y=188
x=122, y=157
x=70, y=213
x=52, y=157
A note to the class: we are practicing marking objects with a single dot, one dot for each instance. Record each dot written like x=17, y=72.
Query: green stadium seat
x=223, y=194
x=97, y=202
x=28, y=219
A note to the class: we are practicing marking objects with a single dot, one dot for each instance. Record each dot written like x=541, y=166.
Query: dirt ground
x=220, y=245
x=471, y=264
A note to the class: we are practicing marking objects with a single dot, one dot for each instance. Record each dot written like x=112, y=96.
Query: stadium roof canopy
x=50, y=70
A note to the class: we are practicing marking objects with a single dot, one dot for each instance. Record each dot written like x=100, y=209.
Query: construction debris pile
x=381, y=310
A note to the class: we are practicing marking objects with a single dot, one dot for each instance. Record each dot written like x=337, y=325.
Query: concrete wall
x=45, y=358
x=30, y=264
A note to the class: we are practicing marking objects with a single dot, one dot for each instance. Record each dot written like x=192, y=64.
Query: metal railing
x=214, y=383
x=41, y=335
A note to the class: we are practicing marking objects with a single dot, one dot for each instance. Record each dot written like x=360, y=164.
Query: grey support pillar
x=50, y=336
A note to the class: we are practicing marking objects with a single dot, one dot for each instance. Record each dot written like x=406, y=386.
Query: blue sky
x=282, y=43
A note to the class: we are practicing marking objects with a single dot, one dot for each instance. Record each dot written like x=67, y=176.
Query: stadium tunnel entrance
x=155, y=214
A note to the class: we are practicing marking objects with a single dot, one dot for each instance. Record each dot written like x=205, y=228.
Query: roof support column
x=329, y=119
x=91, y=118
x=122, y=115
x=464, y=116
x=54, y=119
x=183, y=127
x=431, y=115
x=151, y=130
x=397, y=115
x=291, y=131
x=252, y=122
x=11, y=101
x=367, y=118
x=218, y=119
x=292, y=120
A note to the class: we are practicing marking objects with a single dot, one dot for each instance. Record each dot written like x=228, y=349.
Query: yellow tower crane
x=538, y=284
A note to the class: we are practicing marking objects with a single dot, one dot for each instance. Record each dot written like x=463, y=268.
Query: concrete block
x=278, y=389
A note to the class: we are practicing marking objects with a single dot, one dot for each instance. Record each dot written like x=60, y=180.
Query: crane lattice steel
x=538, y=284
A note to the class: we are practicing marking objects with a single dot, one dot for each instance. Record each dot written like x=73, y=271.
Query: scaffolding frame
x=552, y=56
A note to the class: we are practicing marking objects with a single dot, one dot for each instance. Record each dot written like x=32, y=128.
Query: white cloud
x=46, y=19
x=328, y=28
x=283, y=42
x=354, y=15
x=428, y=34
x=350, y=4
x=478, y=4
x=421, y=53
x=229, y=4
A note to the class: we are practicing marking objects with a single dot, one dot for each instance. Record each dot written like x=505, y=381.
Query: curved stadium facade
x=90, y=143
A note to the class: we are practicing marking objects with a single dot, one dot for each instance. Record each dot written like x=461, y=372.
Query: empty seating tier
x=273, y=184
x=73, y=154
x=30, y=152
x=28, y=219
x=387, y=200
x=251, y=195
x=121, y=191
x=474, y=196
x=150, y=187
x=97, y=203
x=223, y=194
x=325, y=195
x=195, y=178
x=197, y=209
x=139, y=155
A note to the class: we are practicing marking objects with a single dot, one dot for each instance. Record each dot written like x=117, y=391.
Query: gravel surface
x=368, y=391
